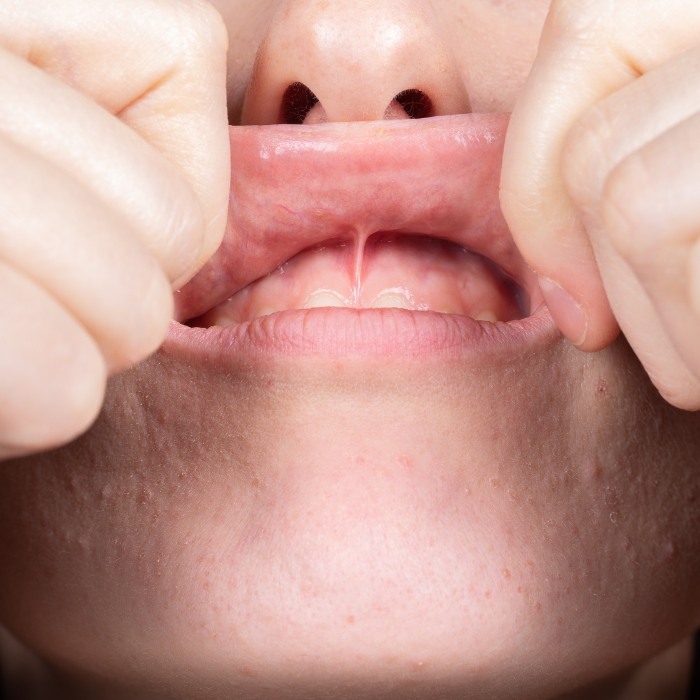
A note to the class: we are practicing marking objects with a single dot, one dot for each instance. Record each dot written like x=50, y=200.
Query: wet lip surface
x=294, y=187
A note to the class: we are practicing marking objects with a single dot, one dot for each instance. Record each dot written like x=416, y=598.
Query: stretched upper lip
x=294, y=187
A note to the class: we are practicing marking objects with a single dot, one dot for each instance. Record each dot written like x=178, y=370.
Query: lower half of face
x=327, y=528
x=389, y=521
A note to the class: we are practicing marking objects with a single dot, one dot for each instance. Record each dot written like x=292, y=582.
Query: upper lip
x=293, y=187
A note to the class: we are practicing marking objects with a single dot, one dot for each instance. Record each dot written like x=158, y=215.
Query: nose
x=353, y=60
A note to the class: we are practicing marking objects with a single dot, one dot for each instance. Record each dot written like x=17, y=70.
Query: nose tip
x=353, y=60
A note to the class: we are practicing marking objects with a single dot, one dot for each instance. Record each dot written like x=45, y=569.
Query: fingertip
x=187, y=237
x=214, y=233
x=567, y=313
x=147, y=327
x=589, y=327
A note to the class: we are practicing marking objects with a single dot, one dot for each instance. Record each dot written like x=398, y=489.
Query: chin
x=312, y=527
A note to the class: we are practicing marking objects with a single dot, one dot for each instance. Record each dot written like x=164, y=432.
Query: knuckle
x=199, y=28
x=573, y=20
x=585, y=156
x=624, y=210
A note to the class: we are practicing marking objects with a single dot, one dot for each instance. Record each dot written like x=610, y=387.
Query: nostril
x=297, y=102
x=415, y=103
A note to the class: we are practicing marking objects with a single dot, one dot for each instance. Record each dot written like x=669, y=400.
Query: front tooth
x=325, y=297
x=265, y=311
x=488, y=316
x=391, y=301
x=222, y=321
x=394, y=298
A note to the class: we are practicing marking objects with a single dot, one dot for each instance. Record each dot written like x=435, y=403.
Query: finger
x=159, y=66
x=52, y=374
x=626, y=176
x=624, y=122
x=60, y=235
x=80, y=137
x=651, y=217
x=589, y=49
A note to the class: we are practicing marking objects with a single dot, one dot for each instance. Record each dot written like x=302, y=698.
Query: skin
x=323, y=528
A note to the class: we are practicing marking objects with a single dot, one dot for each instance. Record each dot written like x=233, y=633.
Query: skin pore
x=370, y=526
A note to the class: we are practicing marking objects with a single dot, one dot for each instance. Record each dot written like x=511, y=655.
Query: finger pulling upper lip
x=293, y=187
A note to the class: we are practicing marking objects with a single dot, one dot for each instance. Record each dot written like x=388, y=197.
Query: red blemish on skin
x=601, y=390
x=248, y=672
x=350, y=619
x=406, y=462
x=487, y=594
x=506, y=574
x=537, y=607
x=360, y=460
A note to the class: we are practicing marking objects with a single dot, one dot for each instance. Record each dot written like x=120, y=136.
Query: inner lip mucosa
x=415, y=272
x=365, y=215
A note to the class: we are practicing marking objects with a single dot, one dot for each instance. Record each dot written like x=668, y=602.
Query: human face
x=450, y=509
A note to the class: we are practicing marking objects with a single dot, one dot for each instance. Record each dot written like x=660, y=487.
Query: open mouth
x=411, y=272
x=364, y=216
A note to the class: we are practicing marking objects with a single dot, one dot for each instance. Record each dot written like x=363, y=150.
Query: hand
x=114, y=179
x=601, y=180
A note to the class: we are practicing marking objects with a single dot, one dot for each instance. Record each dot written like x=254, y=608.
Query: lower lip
x=337, y=333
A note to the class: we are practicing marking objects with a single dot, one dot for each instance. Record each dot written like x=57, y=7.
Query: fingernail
x=567, y=314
